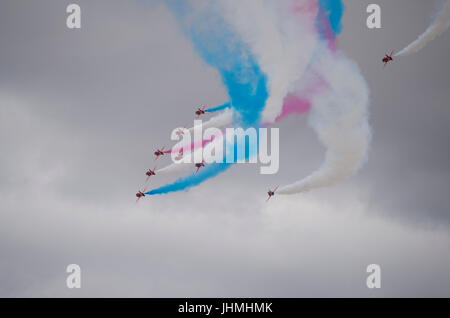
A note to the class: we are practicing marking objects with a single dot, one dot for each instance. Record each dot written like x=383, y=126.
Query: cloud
x=77, y=138
x=300, y=248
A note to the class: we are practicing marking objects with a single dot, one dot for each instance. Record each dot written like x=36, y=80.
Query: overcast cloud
x=81, y=112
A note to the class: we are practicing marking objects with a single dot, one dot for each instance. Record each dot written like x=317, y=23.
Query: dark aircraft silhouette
x=387, y=59
x=199, y=165
x=150, y=173
x=140, y=194
x=180, y=155
x=271, y=193
x=200, y=111
x=159, y=152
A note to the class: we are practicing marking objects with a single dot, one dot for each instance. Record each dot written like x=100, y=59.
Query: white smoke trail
x=175, y=167
x=181, y=166
x=439, y=25
x=221, y=120
x=282, y=42
x=340, y=118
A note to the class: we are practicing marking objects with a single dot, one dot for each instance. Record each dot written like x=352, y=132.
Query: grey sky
x=82, y=111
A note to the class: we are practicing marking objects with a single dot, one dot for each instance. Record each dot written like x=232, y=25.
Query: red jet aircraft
x=180, y=155
x=271, y=193
x=180, y=132
x=387, y=59
x=159, y=152
x=140, y=194
x=200, y=111
x=199, y=165
x=150, y=173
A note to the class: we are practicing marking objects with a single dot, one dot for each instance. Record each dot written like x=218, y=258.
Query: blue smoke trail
x=217, y=108
x=192, y=180
x=334, y=10
x=246, y=84
x=328, y=24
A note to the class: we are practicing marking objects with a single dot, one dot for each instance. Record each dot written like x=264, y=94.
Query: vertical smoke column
x=340, y=117
x=339, y=111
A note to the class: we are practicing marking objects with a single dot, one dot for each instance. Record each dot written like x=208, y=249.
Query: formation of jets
x=160, y=152
x=201, y=111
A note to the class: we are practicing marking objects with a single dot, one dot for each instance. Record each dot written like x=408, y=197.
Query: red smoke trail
x=193, y=145
x=299, y=103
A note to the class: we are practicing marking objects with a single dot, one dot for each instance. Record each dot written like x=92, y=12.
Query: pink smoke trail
x=193, y=145
x=310, y=7
x=293, y=105
x=299, y=103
